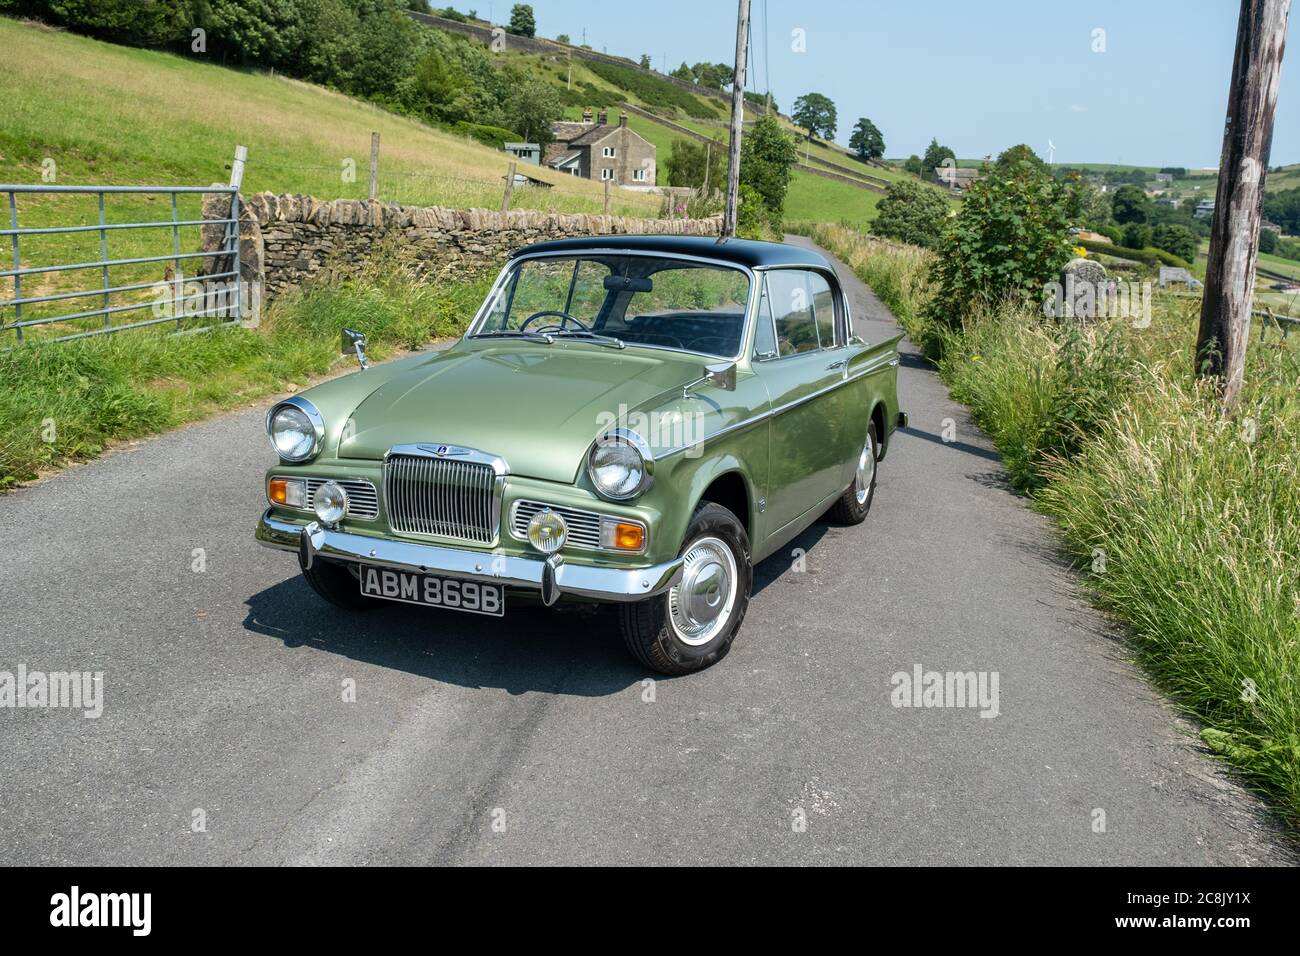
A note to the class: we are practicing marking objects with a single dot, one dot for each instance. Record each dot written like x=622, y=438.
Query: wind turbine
x=1051, y=152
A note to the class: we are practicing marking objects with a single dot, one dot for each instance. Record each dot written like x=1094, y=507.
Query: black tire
x=848, y=510
x=647, y=627
x=336, y=584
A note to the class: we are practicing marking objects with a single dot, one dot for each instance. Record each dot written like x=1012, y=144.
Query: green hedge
x=1150, y=256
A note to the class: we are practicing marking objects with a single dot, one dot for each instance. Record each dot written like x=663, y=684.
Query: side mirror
x=354, y=341
x=722, y=375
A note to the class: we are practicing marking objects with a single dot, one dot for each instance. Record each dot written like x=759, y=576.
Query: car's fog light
x=289, y=492
x=547, y=531
x=330, y=503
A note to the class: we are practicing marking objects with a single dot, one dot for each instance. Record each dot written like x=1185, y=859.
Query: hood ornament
x=443, y=451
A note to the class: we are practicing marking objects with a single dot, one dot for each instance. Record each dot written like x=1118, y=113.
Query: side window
x=796, y=331
x=823, y=301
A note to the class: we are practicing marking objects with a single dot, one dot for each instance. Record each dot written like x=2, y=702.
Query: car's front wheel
x=692, y=626
x=336, y=584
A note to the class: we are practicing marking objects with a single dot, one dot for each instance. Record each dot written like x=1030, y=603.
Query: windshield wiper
x=516, y=334
x=594, y=337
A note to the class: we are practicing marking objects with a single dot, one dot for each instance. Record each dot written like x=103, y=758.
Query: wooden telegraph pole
x=737, y=120
x=1234, y=235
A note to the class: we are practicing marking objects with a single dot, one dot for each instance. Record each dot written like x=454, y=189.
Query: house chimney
x=622, y=120
x=586, y=114
x=602, y=117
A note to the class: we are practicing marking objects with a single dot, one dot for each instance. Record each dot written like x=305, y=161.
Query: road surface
x=226, y=738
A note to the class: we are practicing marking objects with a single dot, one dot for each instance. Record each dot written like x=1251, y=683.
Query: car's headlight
x=620, y=465
x=296, y=429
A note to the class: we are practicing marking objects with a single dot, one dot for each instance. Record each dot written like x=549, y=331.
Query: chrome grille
x=584, y=526
x=363, y=500
x=442, y=497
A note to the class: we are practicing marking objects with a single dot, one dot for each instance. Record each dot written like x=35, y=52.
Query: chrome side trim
x=313, y=542
x=773, y=412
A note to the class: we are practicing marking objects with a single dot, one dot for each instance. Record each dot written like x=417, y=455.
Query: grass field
x=1191, y=513
x=99, y=114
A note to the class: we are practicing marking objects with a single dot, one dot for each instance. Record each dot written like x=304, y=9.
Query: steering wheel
x=565, y=319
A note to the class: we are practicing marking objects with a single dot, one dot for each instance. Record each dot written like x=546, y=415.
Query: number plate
x=433, y=591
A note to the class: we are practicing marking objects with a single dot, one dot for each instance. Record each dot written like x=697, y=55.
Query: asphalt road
x=534, y=741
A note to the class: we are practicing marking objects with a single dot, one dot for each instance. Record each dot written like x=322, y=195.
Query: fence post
x=510, y=187
x=237, y=183
x=18, y=280
x=374, y=166
x=103, y=252
x=607, y=197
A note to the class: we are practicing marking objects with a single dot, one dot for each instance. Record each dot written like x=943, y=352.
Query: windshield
x=637, y=300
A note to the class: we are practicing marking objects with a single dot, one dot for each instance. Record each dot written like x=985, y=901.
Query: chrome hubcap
x=700, y=606
x=866, y=471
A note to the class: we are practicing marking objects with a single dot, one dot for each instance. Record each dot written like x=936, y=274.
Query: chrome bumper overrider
x=552, y=577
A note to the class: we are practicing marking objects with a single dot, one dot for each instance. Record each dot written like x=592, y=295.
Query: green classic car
x=637, y=420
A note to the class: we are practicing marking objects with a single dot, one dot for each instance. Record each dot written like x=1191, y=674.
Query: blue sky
x=980, y=75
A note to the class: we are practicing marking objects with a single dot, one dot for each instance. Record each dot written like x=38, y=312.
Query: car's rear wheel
x=692, y=626
x=336, y=584
x=853, y=505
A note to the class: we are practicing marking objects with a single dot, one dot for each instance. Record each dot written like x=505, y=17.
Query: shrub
x=1010, y=237
x=912, y=212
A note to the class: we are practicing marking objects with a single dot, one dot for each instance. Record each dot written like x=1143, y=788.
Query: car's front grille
x=442, y=497
x=584, y=526
x=363, y=500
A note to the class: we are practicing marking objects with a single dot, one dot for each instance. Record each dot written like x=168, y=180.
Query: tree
x=530, y=107
x=696, y=165
x=563, y=38
x=1179, y=240
x=713, y=76
x=1016, y=154
x=683, y=72
x=1267, y=241
x=1137, y=235
x=866, y=140
x=767, y=158
x=1130, y=204
x=1009, y=238
x=914, y=165
x=645, y=61
x=934, y=157
x=522, y=21
x=912, y=212
x=815, y=113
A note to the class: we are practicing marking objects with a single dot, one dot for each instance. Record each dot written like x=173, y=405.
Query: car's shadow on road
x=572, y=650
x=558, y=651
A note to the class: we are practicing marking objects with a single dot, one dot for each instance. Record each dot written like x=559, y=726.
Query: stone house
x=599, y=151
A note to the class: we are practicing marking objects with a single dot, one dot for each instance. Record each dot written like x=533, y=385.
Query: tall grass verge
x=68, y=401
x=1185, y=523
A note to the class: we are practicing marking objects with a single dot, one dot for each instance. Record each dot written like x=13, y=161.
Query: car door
x=806, y=458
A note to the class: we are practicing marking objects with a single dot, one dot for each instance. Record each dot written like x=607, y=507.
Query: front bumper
x=552, y=577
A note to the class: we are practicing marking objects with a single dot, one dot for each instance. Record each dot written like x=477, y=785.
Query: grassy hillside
x=112, y=115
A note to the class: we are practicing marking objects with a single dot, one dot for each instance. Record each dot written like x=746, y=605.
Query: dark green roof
x=745, y=252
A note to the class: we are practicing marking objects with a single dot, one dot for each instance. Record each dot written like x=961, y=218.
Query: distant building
x=1271, y=226
x=602, y=152
x=955, y=177
x=1205, y=209
x=1164, y=177
x=527, y=152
